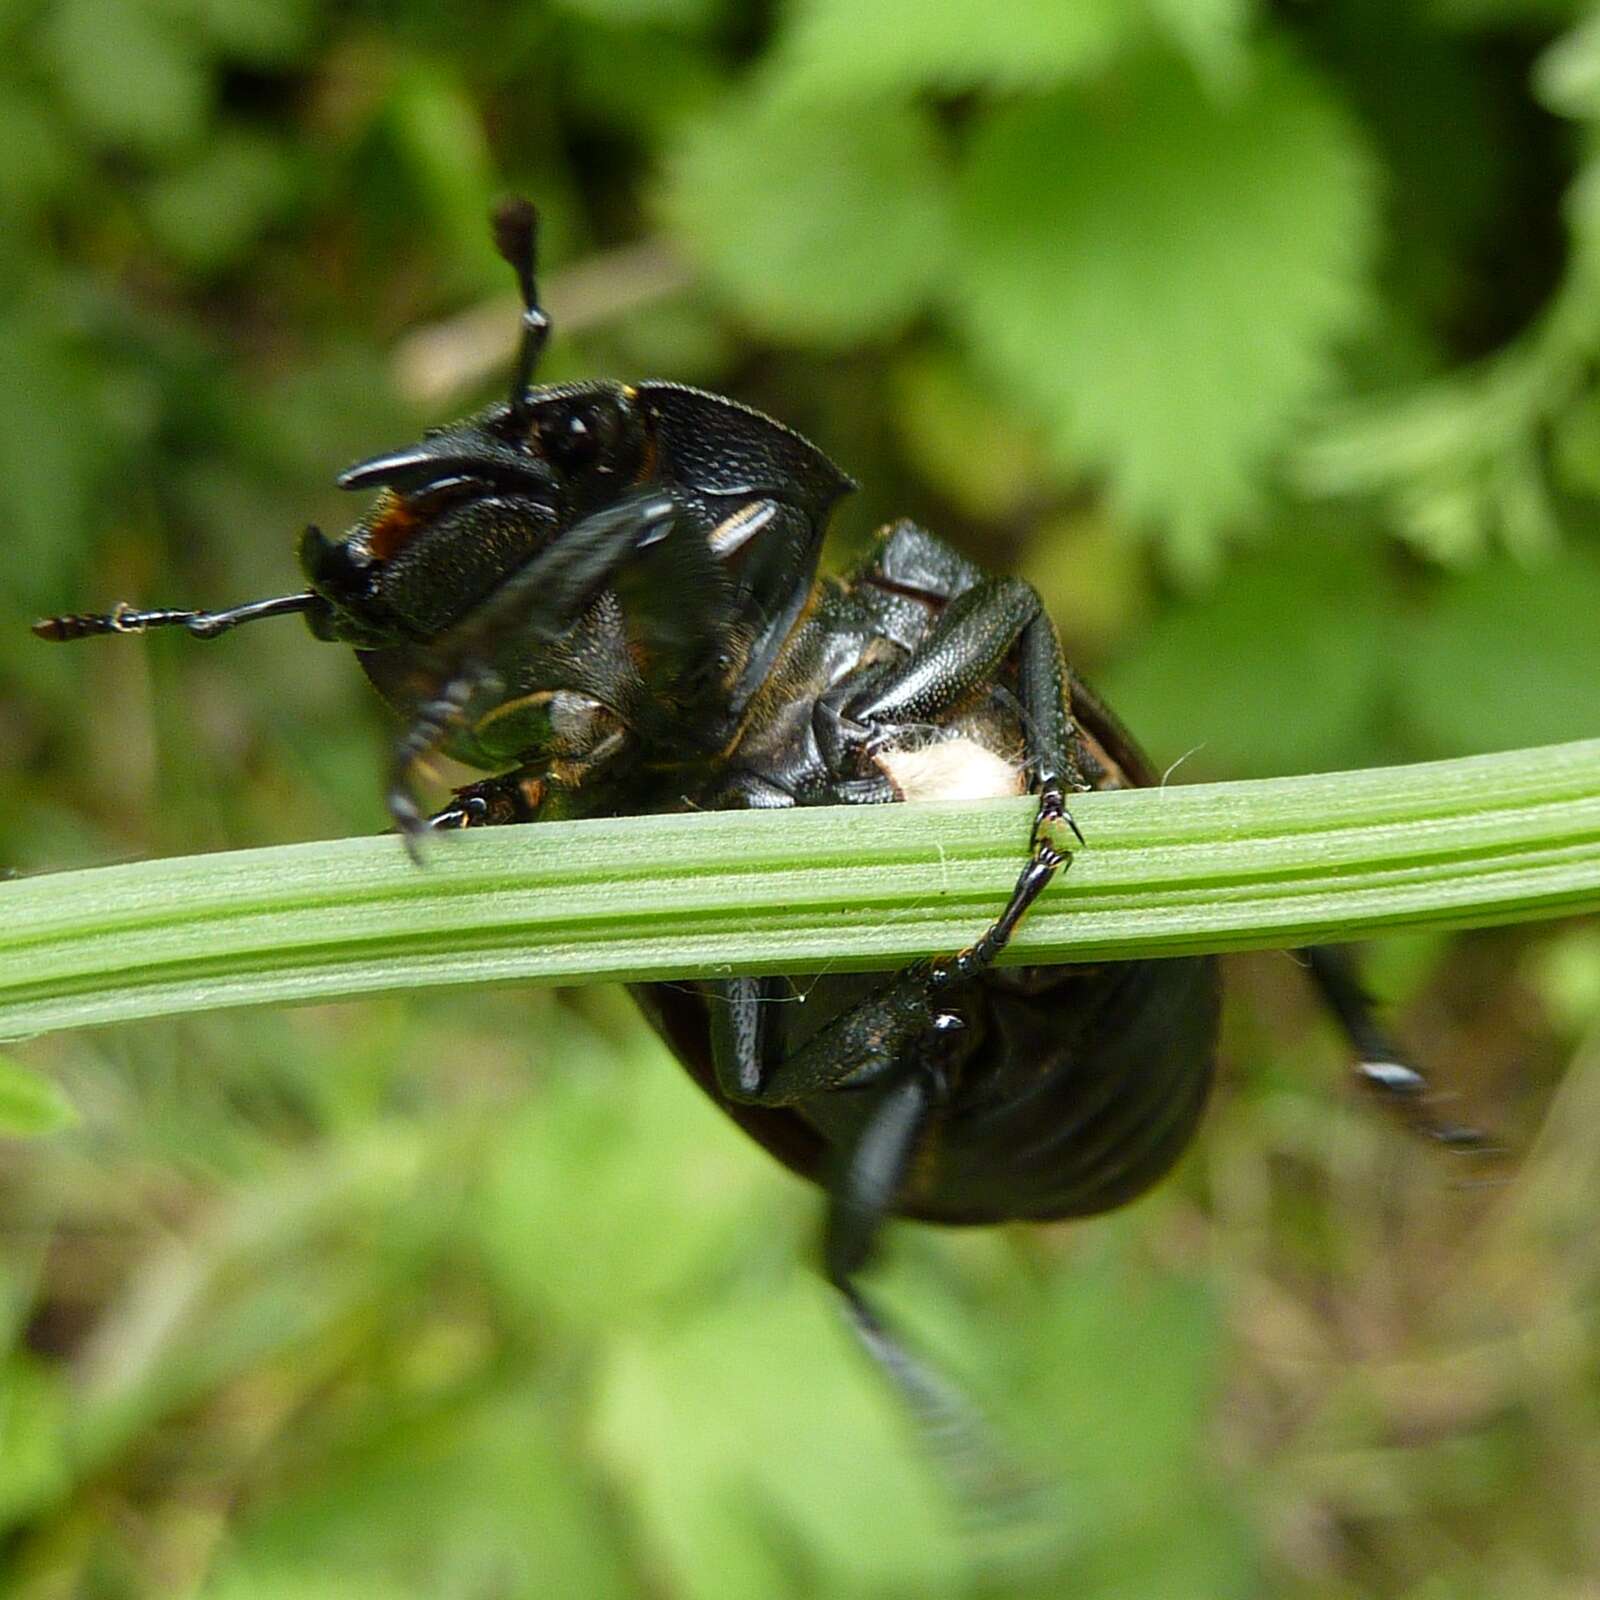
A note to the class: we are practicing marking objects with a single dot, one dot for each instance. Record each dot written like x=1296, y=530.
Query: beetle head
x=459, y=512
x=469, y=504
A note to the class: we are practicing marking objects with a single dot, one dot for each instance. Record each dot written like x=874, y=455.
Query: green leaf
x=1565, y=972
x=645, y=13
x=132, y=75
x=1278, y=670
x=842, y=888
x=1494, y=15
x=34, y=1408
x=837, y=48
x=1211, y=33
x=51, y=453
x=648, y=83
x=964, y=441
x=208, y=213
x=265, y=33
x=1425, y=103
x=1094, y=583
x=29, y=1103
x=1164, y=277
x=1507, y=656
x=39, y=160
x=483, y=1499
x=1460, y=460
x=820, y=228
x=757, y=1419
x=1132, y=1359
x=668, y=1188
x=1567, y=76
x=437, y=127
x=1197, y=1543
x=292, y=1581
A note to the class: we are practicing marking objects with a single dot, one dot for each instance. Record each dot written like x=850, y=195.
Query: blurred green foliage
x=1262, y=339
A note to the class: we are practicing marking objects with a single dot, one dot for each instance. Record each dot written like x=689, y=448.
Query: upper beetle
x=606, y=594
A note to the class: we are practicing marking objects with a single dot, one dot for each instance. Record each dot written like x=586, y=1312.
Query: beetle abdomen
x=1105, y=1077
x=1089, y=1085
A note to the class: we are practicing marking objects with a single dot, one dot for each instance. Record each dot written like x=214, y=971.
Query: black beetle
x=609, y=591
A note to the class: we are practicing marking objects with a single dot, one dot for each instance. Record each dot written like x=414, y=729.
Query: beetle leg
x=870, y=1044
x=966, y=647
x=431, y=724
x=962, y=652
x=741, y=1040
x=491, y=802
x=860, y=1198
x=1378, y=1062
x=746, y=791
x=867, y=1049
x=978, y=629
x=954, y=1436
x=859, y=1047
x=465, y=811
x=542, y=599
x=1035, y=877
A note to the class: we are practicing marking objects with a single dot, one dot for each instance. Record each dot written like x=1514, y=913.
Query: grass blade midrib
x=1221, y=867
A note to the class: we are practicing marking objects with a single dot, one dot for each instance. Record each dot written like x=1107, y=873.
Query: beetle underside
x=605, y=595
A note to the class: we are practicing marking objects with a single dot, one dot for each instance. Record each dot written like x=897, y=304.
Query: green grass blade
x=1448, y=844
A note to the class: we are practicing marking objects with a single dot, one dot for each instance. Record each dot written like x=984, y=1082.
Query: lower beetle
x=606, y=594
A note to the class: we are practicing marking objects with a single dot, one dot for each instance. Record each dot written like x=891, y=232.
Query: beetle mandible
x=606, y=594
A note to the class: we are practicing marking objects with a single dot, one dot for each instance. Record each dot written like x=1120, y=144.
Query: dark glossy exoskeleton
x=606, y=595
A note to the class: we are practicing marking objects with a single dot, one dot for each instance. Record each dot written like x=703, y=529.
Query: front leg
x=511, y=797
x=541, y=600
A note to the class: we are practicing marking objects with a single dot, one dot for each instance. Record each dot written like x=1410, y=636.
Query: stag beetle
x=606, y=595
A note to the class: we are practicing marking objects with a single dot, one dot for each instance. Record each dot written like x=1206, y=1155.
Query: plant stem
x=1289, y=861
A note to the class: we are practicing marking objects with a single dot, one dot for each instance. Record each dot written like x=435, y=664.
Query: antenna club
x=515, y=226
x=514, y=223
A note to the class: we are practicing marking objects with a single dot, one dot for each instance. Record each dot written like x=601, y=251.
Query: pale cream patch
x=954, y=769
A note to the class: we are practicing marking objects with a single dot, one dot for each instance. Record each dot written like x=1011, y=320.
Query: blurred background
x=1263, y=338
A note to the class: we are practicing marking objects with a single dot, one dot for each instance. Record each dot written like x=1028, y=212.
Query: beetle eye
x=575, y=439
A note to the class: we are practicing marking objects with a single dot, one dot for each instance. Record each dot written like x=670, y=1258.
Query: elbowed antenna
x=202, y=624
x=515, y=225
